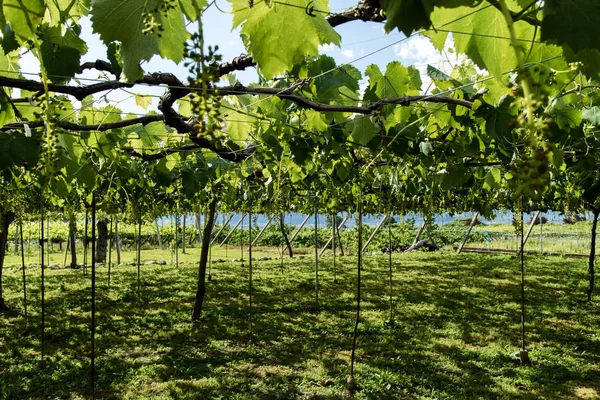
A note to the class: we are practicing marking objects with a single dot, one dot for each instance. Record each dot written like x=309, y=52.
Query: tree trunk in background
x=591, y=272
x=72, y=239
x=285, y=237
x=210, y=221
x=102, y=241
x=6, y=218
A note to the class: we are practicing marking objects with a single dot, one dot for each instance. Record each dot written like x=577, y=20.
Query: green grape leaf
x=59, y=187
x=239, y=125
x=190, y=7
x=24, y=16
x=592, y=115
x=190, y=183
x=329, y=85
x=411, y=15
x=315, y=121
x=61, y=53
x=493, y=179
x=9, y=42
x=570, y=22
x=184, y=106
x=60, y=11
x=7, y=112
x=565, y=114
x=113, y=53
x=454, y=178
x=363, y=130
x=425, y=148
x=124, y=21
x=442, y=80
x=61, y=62
x=589, y=57
x=143, y=101
x=17, y=150
x=500, y=120
x=279, y=37
x=397, y=81
x=476, y=33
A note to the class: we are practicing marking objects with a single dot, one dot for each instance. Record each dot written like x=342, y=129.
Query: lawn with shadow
x=454, y=328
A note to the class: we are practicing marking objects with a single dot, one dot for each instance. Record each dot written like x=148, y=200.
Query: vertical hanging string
x=177, y=238
x=48, y=240
x=282, y=226
x=334, y=227
x=24, y=275
x=226, y=244
x=523, y=353
x=42, y=341
x=139, y=250
x=351, y=384
x=209, y=256
x=316, y=257
x=85, y=243
x=390, y=261
x=242, y=241
x=250, y=264
x=93, y=322
x=110, y=244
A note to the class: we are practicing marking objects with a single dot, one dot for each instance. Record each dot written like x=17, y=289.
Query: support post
x=377, y=228
x=331, y=238
x=468, y=233
x=221, y=230
x=529, y=229
x=262, y=230
x=299, y=228
x=419, y=232
x=232, y=230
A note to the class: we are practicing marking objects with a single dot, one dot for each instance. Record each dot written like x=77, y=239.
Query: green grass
x=456, y=327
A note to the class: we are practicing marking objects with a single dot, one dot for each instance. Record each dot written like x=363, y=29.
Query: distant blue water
x=295, y=219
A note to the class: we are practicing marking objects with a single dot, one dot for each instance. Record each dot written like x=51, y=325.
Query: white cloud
x=418, y=49
x=326, y=48
x=419, y=52
x=348, y=53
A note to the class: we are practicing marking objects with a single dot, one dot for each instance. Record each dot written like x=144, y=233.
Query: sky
x=359, y=39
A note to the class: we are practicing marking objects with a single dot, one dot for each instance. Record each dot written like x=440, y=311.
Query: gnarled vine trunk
x=6, y=218
x=285, y=236
x=591, y=272
x=102, y=241
x=208, y=227
x=72, y=239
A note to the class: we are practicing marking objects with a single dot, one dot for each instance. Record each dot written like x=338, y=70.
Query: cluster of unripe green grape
x=532, y=170
x=50, y=149
x=204, y=71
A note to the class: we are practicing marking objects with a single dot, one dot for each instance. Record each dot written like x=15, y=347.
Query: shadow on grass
x=456, y=324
